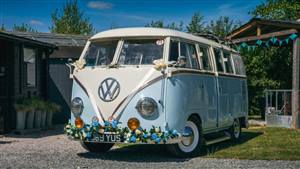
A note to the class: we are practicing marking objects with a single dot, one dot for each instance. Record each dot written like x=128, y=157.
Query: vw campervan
x=151, y=85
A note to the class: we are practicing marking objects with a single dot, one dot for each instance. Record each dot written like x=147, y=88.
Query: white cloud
x=36, y=22
x=99, y=5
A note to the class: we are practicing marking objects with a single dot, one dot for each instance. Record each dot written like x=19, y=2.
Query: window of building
x=30, y=66
x=204, y=57
x=227, y=61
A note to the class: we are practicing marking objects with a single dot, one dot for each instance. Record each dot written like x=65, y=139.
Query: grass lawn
x=260, y=143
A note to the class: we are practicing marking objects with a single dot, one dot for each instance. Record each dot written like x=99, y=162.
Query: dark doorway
x=4, y=85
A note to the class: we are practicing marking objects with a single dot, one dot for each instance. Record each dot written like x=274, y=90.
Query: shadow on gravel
x=245, y=137
x=159, y=153
x=37, y=133
x=136, y=153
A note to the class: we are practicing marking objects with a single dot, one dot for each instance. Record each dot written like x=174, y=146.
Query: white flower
x=128, y=135
x=101, y=131
x=159, y=64
x=138, y=132
x=157, y=130
x=79, y=64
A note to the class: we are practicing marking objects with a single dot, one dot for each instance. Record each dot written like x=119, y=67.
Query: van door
x=227, y=87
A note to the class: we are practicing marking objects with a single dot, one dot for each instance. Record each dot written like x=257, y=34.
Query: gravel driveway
x=52, y=149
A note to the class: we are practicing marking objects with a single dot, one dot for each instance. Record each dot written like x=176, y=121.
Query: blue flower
x=133, y=139
x=106, y=123
x=157, y=140
x=153, y=136
x=174, y=132
x=95, y=124
x=145, y=135
x=88, y=135
x=166, y=134
x=114, y=124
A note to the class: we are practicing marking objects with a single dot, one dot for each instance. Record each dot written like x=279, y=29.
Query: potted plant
x=51, y=109
x=43, y=111
x=30, y=113
x=21, y=110
x=37, y=104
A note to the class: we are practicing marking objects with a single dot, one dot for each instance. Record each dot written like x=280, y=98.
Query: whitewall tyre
x=235, y=130
x=192, y=140
x=96, y=147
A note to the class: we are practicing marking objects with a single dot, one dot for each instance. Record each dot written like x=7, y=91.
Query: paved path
x=53, y=150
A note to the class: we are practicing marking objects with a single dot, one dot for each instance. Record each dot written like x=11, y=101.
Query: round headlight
x=146, y=107
x=77, y=106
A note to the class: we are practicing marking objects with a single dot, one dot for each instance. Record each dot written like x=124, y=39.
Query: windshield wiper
x=115, y=65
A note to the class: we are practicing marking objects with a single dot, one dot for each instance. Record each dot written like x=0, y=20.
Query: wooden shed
x=23, y=73
x=69, y=47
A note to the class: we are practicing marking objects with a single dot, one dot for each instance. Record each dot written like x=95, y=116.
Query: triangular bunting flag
x=293, y=36
x=273, y=40
x=267, y=44
x=259, y=42
x=287, y=41
x=244, y=44
x=280, y=43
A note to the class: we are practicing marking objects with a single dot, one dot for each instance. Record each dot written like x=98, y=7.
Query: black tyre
x=235, y=130
x=189, y=146
x=96, y=147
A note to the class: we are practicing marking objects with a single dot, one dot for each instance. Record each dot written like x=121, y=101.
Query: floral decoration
x=140, y=135
x=159, y=64
x=79, y=64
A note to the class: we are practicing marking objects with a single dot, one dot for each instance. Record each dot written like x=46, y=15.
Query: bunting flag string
x=268, y=43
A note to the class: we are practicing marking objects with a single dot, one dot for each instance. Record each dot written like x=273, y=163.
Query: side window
x=174, y=51
x=187, y=58
x=189, y=51
x=238, y=64
x=227, y=61
x=204, y=57
x=219, y=60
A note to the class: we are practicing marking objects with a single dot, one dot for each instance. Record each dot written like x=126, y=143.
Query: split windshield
x=141, y=52
x=100, y=53
x=133, y=52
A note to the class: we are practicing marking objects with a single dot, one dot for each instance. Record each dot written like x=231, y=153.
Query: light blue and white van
x=157, y=86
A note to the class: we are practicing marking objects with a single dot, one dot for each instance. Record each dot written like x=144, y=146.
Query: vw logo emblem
x=109, y=89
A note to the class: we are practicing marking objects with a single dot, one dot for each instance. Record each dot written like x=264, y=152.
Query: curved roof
x=151, y=32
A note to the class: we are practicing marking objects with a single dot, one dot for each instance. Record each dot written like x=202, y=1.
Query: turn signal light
x=79, y=123
x=133, y=123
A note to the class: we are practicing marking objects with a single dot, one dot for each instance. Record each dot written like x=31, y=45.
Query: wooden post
x=295, y=93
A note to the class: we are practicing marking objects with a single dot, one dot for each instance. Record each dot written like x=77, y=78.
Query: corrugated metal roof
x=54, y=38
x=8, y=35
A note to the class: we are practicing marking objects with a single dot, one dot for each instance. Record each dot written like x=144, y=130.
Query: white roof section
x=152, y=32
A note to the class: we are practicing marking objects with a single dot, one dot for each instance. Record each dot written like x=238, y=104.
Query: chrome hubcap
x=190, y=137
x=187, y=136
x=236, y=128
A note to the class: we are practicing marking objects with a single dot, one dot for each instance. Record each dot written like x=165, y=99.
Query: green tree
x=160, y=24
x=222, y=26
x=269, y=68
x=2, y=28
x=197, y=24
x=278, y=9
x=71, y=21
x=23, y=28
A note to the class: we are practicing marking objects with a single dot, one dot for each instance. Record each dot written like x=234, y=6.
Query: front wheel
x=192, y=140
x=96, y=147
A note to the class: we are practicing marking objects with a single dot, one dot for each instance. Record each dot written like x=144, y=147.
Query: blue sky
x=121, y=13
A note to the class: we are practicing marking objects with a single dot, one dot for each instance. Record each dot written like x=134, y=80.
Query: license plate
x=108, y=138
